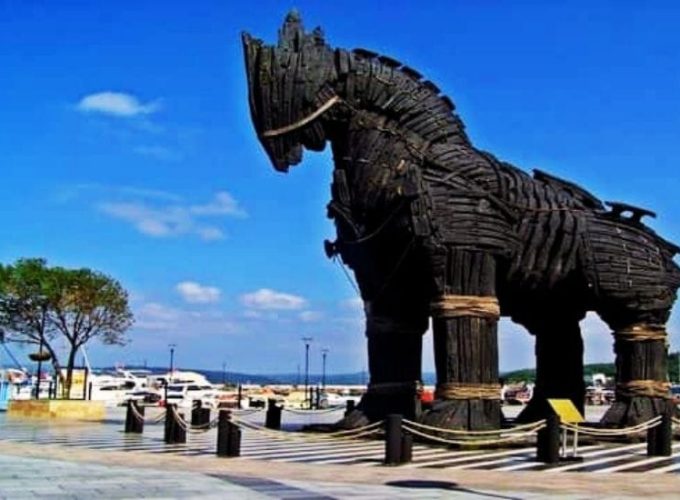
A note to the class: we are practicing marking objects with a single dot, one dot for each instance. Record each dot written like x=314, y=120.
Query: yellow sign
x=77, y=382
x=566, y=410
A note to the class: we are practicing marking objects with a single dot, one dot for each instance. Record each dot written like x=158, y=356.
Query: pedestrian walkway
x=597, y=458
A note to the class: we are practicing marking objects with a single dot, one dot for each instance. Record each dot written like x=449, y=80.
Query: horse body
x=434, y=227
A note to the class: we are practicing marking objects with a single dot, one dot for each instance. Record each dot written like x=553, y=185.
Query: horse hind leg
x=559, y=360
x=640, y=344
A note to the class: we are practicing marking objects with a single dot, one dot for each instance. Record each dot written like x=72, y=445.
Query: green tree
x=39, y=304
x=87, y=305
x=24, y=305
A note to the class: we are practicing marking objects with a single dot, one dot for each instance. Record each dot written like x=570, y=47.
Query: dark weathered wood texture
x=420, y=212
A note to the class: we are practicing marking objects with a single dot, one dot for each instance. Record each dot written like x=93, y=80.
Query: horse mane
x=425, y=98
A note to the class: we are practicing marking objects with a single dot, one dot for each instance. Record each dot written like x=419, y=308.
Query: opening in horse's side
x=435, y=228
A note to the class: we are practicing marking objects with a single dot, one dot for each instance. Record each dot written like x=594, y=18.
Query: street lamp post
x=324, y=353
x=172, y=369
x=307, y=340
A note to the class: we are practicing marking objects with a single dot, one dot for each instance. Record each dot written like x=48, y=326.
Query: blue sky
x=126, y=146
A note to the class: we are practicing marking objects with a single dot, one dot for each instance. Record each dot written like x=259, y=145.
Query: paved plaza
x=98, y=460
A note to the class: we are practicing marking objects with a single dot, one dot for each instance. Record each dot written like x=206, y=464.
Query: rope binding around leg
x=641, y=332
x=456, y=390
x=455, y=306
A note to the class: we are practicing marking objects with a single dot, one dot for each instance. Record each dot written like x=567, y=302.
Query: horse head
x=289, y=87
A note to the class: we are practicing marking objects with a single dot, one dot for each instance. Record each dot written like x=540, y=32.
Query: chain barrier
x=591, y=431
x=526, y=427
x=142, y=418
x=368, y=430
x=314, y=412
x=476, y=442
x=194, y=429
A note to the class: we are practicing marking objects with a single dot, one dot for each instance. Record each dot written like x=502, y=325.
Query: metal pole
x=307, y=340
x=172, y=368
x=324, y=353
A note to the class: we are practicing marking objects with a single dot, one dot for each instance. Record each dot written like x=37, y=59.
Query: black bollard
x=170, y=424
x=273, y=416
x=174, y=433
x=134, y=424
x=548, y=441
x=200, y=416
x=393, y=436
x=234, y=444
x=349, y=406
x=239, y=396
x=196, y=412
x=659, y=438
x=223, y=427
x=406, y=448
x=179, y=433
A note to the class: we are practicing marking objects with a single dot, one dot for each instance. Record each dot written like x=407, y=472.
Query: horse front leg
x=394, y=332
x=465, y=317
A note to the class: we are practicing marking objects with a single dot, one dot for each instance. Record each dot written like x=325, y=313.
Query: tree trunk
x=55, y=361
x=69, y=370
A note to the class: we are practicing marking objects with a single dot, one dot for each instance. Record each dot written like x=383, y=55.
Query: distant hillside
x=529, y=374
x=360, y=378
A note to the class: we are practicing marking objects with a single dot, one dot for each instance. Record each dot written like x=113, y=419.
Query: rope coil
x=455, y=306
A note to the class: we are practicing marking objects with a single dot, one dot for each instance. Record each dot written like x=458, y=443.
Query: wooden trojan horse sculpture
x=433, y=227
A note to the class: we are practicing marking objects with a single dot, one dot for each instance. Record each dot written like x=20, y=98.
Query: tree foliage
x=39, y=304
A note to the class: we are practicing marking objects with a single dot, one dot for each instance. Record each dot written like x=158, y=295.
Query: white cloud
x=195, y=293
x=310, y=316
x=154, y=316
x=222, y=204
x=175, y=219
x=265, y=298
x=116, y=104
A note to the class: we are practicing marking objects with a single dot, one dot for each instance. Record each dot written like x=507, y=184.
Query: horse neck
x=412, y=105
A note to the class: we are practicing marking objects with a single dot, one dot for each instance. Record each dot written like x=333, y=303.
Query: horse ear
x=292, y=32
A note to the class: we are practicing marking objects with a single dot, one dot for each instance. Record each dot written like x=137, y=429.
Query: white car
x=186, y=394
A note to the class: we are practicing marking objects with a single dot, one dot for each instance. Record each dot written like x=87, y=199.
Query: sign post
x=569, y=414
